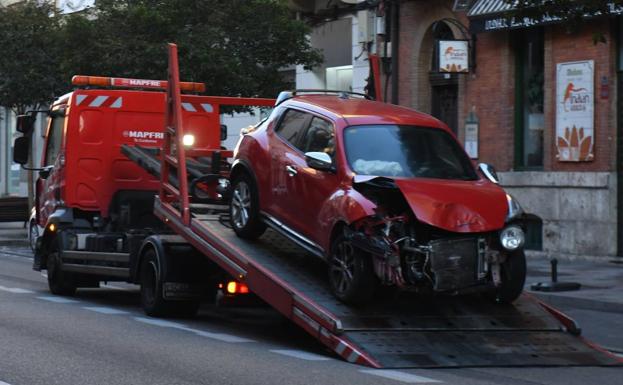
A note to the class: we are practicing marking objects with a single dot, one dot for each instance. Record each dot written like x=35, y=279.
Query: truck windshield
x=406, y=151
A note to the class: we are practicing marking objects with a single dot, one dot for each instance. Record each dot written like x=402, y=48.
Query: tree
x=237, y=47
x=29, y=65
x=571, y=13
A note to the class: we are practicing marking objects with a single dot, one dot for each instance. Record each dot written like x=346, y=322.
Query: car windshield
x=406, y=151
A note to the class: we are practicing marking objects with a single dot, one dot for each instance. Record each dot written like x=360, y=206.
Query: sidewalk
x=13, y=234
x=602, y=283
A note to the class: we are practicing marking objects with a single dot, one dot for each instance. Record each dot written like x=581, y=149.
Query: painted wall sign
x=453, y=56
x=575, y=102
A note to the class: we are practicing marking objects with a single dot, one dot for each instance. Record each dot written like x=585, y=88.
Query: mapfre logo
x=143, y=134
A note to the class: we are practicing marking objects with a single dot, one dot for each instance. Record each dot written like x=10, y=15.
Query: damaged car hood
x=453, y=205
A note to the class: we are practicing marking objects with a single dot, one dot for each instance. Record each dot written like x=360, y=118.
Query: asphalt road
x=100, y=336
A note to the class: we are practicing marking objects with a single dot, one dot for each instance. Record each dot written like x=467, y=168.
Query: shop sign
x=575, y=100
x=453, y=56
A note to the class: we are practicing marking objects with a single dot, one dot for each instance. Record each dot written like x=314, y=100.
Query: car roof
x=357, y=111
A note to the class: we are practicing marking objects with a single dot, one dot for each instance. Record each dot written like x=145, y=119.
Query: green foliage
x=571, y=13
x=29, y=62
x=237, y=47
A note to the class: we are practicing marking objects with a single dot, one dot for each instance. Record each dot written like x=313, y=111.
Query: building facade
x=539, y=103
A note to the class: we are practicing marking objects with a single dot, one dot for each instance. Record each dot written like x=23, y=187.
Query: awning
x=490, y=15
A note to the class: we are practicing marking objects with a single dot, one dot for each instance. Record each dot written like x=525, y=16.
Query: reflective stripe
x=340, y=348
x=353, y=357
x=118, y=103
x=207, y=107
x=80, y=99
x=189, y=107
x=98, y=101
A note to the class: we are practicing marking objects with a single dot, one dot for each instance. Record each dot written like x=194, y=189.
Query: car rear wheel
x=351, y=274
x=513, y=275
x=244, y=208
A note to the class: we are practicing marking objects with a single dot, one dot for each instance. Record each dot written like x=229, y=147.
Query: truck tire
x=351, y=274
x=152, y=299
x=244, y=208
x=513, y=274
x=59, y=281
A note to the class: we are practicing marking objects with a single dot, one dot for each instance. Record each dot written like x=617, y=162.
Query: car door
x=311, y=187
x=284, y=155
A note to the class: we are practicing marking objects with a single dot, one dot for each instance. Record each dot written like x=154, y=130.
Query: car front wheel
x=244, y=208
x=351, y=274
x=513, y=276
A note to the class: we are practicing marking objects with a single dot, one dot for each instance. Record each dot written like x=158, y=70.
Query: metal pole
x=395, y=15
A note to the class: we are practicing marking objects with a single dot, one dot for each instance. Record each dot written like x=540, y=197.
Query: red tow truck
x=128, y=190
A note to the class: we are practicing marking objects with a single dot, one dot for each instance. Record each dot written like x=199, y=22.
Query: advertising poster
x=575, y=134
x=454, y=56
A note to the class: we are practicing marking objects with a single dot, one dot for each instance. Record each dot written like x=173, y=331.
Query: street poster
x=575, y=134
x=454, y=56
x=471, y=140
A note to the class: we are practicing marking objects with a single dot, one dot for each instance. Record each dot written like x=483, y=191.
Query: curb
x=14, y=242
x=579, y=303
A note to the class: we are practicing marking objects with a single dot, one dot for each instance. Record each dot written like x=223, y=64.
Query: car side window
x=55, y=136
x=319, y=137
x=292, y=125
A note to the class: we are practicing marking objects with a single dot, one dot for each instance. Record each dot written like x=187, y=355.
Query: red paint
x=314, y=202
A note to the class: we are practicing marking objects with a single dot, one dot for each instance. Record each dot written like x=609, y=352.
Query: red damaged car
x=386, y=195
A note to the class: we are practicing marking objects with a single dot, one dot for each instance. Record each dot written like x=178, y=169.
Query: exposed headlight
x=514, y=208
x=188, y=140
x=512, y=238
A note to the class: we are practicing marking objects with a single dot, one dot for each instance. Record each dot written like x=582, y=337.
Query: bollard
x=554, y=285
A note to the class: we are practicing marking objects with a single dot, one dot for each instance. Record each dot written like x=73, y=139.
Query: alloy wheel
x=342, y=267
x=241, y=204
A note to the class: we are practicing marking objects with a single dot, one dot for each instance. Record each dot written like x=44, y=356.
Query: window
x=319, y=137
x=406, y=151
x=55, y=136
x=529, y=118
x=291, y=126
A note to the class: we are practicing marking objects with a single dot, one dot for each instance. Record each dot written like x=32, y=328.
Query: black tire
x=513, y=275
x=351, y=274
x=33, y=233
x=244, y=210
x=152, y=300
x=59, y=281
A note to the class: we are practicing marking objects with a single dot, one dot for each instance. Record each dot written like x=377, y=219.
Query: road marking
x=105, y=310
x=58, y=299
x=301, y=354
x=44, y=274
x=4, y=383
x=174, y=325
x=399, y=376
x=16, y=290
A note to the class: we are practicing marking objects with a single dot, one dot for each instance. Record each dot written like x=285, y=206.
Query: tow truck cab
x=86, y=186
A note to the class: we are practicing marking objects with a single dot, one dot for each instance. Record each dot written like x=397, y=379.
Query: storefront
x=539, y=103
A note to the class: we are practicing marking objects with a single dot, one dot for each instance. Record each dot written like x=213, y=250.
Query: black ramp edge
x=408, y=331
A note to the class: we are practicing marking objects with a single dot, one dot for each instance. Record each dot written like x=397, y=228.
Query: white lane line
x=399, y=376
x=4, y=383
x=174, y=325
x=301, y=355
x=44, y=274
x=105, y=310
x=58, y=299
x=16, y=290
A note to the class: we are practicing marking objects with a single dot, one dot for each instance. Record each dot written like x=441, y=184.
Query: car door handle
x=291, y=170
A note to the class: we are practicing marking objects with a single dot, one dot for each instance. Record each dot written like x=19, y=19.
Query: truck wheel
x=351, y=274
x=152, y=299
x=59, y=281
x=513, y=274
x=244, y=208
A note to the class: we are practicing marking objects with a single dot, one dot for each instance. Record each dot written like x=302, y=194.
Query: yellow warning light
x=52, y=227
x=232, y=286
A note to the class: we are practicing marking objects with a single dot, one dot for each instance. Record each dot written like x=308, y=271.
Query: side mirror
x=319, y=161
x=44, y=173
x=25, y=124
x=21, y=147
x=223, y=132
x=489, y=172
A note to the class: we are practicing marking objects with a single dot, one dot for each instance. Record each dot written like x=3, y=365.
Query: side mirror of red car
x=319, y=161
x=489, y=172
